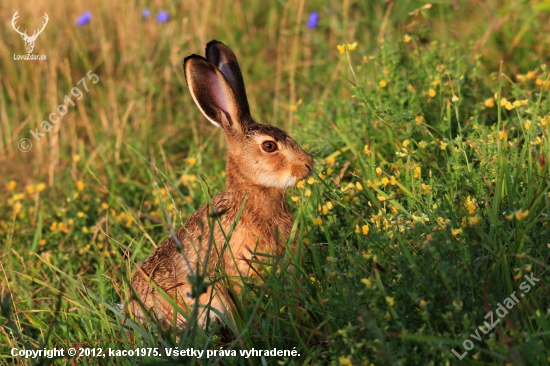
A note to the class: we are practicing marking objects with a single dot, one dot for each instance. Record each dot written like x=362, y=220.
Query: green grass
x=429, y=205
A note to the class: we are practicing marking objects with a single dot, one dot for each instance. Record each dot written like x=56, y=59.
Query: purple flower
x=84, y=18
x=145, y=13
x=313, y=20
x=162, y=16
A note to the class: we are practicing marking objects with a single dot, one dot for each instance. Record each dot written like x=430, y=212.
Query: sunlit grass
x=428, y=206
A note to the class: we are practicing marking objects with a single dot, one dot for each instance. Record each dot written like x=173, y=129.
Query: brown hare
x=262, y=161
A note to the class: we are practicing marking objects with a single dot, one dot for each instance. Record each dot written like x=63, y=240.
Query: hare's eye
x=269, y=146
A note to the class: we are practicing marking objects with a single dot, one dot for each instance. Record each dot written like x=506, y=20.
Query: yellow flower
x=11, y=185
x=341, y=48
x=455, y=232
x=358, y=186
x=42, y=242
x=351, y=46
x=301, y=184
x=366, y=281
x=104, y=206
x=422, y=303
x=365, y=229
x=501, y=135
x=427, y=6
x=330, y=160
x=390, y=301
x=385, y=181
x=357, y=231
x=29, y=189
x=329, y=171
x=406, y=38
x=80, y=214
x=425, y=188
x=378, y=171
x=531, y=75
x=322, y=176
x=454, y=98
x=383, y=83
x=308, y=192
x=344, y=361
x=520, y=215
x=442, y=145
x=325, y=210
x=527, y=124
x=417, y=172
x=489, y=103
x=17, y=207
x=367, y=151
x=318, y=222
x=509, y=106
x=76, y=158
x=295, y=199
x=474, y=220
x=310, y=180
x=80, y=185
x=432, y=93
x=191, y=161
x=329, y=205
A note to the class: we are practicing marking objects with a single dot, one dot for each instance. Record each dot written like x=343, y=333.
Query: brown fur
x=265, y=223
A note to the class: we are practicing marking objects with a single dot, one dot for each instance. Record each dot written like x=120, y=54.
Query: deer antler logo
x=29, y=40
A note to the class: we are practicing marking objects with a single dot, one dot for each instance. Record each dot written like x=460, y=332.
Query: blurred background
x=287, y=51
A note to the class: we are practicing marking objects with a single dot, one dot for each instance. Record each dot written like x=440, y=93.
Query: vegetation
x=429, y=206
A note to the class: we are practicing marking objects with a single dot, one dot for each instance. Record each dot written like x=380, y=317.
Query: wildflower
x=489, y=103
x=11, y=185
x=367, y=151
x=422, y=303
x=344, y=361
x=422, y=144
x=351, y=46
x=80, y=185
x=383, y=83
x=406, y=38
x=42, y=242
x=330, y=160
x=527, y=124
x=366, y=281
x=76, y=158
x=40, y=187
x=390, y=301
x=531, y=75
x=455, y=232
x=295, y=199
x=191, y=161
x=425, y=188
x=442, y=145
x=432, y=92
x=145, y=13
x=313, y=20
x=358, y=186
x=378, y=171
x=385, y=181
x=325, y=210
x=365, y=229
x=301, y=184
x=84, y=18
x=329, y=171
x=104, y=206
x=329, y=205
x=427, y=6
x=341, y=48
x=417, y=172
x=474, y=220
x=163, y=17
x=509, y=106
x=454, y=98
x=308, y=192
x=357, y=231
x=501, y=135
x=311, y=180
x=520, y=215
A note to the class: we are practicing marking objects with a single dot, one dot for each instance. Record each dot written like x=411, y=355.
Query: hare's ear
x=224, y=59
x=212, y=93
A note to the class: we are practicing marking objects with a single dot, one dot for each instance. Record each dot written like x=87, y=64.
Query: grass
x=429, y=205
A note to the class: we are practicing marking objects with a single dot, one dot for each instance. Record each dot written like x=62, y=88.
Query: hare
x=262, y=161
